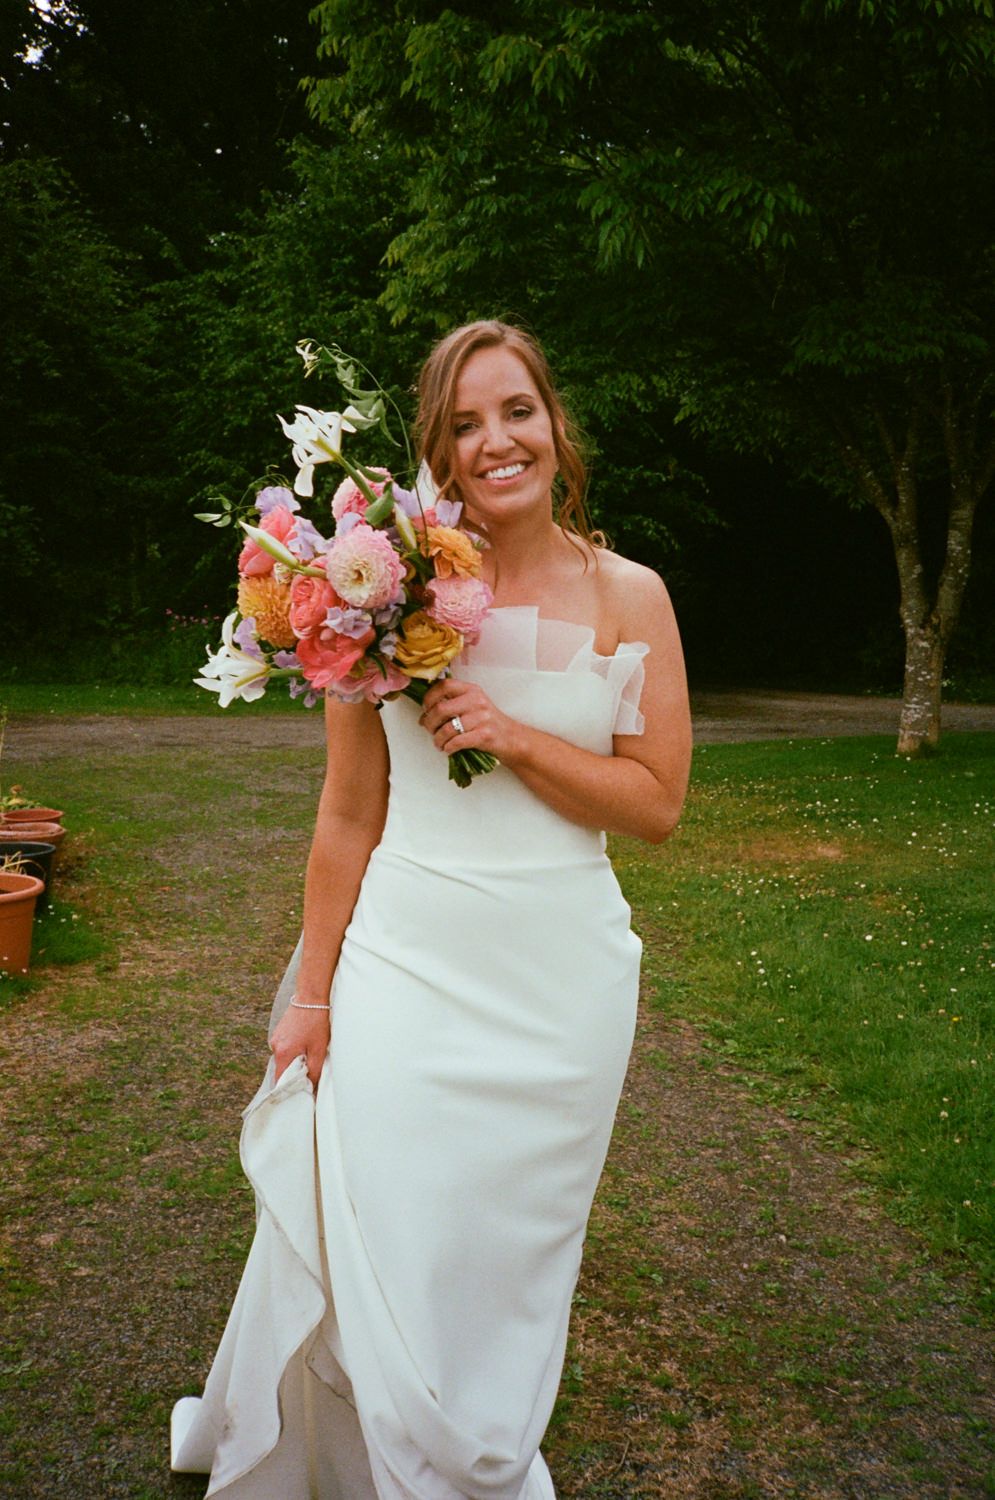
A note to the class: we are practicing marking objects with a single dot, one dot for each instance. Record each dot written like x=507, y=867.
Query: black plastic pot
x=36, y=859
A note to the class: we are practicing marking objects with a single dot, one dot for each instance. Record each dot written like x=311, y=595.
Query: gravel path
x=719, y=717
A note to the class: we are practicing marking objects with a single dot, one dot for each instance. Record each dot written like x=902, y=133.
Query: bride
x=452, y=1035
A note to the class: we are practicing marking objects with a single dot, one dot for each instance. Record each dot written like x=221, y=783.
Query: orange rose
x=452, y=551
x=426, y=646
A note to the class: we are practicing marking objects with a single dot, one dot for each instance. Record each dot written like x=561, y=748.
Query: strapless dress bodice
x=547, y=674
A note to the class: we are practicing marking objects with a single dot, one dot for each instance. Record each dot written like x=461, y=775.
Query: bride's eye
x=521, y=412
x=462, y=428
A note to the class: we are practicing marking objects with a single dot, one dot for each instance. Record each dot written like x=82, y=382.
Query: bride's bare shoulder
x=633, y=594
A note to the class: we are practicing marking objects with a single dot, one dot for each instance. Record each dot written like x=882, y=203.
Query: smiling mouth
x=506, y=471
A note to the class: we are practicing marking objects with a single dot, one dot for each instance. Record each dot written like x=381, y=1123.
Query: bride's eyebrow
x=508, y=401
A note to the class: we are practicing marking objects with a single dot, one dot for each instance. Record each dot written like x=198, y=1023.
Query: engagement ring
x=457, y=724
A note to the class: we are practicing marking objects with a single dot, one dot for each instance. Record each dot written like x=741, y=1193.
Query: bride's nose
x=497, y=438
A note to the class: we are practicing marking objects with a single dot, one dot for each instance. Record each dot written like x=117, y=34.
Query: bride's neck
x=519, y=560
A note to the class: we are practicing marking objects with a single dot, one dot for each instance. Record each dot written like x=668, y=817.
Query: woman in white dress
x=423, y=1183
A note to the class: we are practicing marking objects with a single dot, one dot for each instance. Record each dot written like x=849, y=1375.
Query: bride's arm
x=639, y=789
x=349, y=824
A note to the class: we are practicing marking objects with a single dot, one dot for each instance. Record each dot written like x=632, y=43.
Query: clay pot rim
x=19, y=830
x=31, y=886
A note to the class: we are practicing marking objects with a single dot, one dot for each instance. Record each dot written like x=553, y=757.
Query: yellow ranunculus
x=426, y=647
x=268, y=602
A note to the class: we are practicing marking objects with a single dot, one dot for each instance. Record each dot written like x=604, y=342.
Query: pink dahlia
x=349, y=498
x=460, y=603
x=252, y=560
x=363, y=567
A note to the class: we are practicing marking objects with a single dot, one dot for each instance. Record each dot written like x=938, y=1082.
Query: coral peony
x=310, y=601
x=268, y=603
x=253, y=562
x=326, y=658
x=452, y=551
x=349, y=498
x=426, y=647
x=460, y=603
x=363, y=567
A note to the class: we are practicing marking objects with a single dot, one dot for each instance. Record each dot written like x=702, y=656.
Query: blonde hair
x=437, y=399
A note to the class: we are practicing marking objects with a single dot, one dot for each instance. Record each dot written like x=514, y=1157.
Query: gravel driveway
x=719, y=717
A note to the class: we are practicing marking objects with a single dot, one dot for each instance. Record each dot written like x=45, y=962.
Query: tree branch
x=862, y=469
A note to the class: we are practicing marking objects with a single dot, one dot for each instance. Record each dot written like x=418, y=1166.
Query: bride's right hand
x=301, y=1033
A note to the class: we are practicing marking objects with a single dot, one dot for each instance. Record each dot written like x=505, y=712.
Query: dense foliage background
x=758, y=246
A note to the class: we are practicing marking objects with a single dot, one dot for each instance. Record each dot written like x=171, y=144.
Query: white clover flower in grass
x=317, y=439
x=234, y=672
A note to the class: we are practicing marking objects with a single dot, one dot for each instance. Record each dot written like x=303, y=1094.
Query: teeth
x=508, y=472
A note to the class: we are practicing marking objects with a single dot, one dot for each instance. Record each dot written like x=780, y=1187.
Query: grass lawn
x=788, y=1275
x=127, y=698
x=826, y=914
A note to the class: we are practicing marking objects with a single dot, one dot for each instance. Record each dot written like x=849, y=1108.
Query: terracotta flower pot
x=33, y=815
x=38, y=833
x=18, y=895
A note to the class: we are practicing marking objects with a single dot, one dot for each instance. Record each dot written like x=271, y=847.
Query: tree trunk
x=929, y=614
x=919, y=726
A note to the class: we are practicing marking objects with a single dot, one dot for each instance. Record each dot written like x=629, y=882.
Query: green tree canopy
x=783, y=216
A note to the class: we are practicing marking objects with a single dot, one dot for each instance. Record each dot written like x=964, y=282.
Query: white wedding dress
x=400, y=1326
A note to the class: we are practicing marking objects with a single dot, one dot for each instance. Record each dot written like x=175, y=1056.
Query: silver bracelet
x=300, y=1005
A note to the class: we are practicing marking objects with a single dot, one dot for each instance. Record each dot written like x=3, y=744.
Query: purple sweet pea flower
x=389, y=615
x=448, y=512
x=407, y=500
x=308, y=538
x=388, y=643
x=245, y=636
x=285, y=659
x=274, y=495
x=348, y=621
x=346, y=523
x=298, y=688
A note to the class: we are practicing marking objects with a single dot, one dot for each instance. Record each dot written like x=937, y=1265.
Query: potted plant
x=36, y=859
x=15, y=805
x=17, y=810
x=12, y=834
x=18, y=896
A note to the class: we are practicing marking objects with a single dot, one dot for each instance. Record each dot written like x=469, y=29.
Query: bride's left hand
x=484, y=726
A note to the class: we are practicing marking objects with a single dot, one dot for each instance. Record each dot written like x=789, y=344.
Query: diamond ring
x=457, y=724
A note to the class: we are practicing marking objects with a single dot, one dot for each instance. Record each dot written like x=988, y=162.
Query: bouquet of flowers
x=381, y=607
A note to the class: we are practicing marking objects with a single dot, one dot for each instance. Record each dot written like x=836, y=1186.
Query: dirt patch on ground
x=719, y=717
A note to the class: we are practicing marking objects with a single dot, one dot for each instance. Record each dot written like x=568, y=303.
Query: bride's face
x=504, y=449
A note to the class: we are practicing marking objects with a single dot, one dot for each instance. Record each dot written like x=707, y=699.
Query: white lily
x=309, y=354
x=317, y=439
x=272, y=545
x=231, y=672
x=404, y=526
x=425, y=486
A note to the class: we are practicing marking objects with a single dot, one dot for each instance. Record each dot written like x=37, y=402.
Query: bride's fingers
x=462, y=700
x=452, y=732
